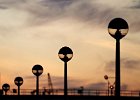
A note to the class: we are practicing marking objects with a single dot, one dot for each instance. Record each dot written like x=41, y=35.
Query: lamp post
x=111, y=87
x=37, y=70
x=65, y=54
x=106, y=78
x=6, y=87
x=117, y=28
x=18, y=81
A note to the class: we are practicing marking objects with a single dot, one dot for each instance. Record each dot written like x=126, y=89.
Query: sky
x=33, y=31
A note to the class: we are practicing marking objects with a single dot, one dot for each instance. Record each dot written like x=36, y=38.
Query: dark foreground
x=30, y=97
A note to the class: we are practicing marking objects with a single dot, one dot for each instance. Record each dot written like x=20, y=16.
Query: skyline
x=32, y=32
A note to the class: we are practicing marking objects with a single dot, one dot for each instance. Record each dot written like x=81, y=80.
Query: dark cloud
x=57, y=81
x=3, y=7
x=45, y=11
x=93, y=13
x=125, y=63
x=100, y=85
x=5, y=4
x=130, y=64
x=110, y=66
x=135, y=4
x=124, y=87
x=55, y=3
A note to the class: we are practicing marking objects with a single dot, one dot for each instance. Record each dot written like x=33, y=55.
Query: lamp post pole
x=65, y=78
x=65, y=54
x=5, y=87
x=37, y=70
x=118, y=28
x=108, y=87
x=18, y=81
x=118, y=81
x=37, y=85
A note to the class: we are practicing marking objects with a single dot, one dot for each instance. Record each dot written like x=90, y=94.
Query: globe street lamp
x=117, y=28
x=5, y=87
x=18, y=81
x=65, y=54
x=37, y=70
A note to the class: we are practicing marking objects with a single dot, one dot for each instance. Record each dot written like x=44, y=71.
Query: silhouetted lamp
x=18, y=81
x=65, y=54
x=117, y=28
x=111, y=87
x=37, y=70
x=106, y=78
x=5, y=87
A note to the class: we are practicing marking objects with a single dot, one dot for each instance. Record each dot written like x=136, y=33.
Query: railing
x=86, y=92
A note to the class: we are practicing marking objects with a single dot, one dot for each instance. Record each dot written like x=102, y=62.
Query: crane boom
x=50, y=85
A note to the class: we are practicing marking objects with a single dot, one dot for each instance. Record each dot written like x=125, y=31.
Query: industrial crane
x=50, y=85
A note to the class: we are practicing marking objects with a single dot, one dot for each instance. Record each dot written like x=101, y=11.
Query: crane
x=50, y=85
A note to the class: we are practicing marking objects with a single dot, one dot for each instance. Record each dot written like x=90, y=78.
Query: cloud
x=103, y=85
x=44, y=11
x=10, y=3
x=124, y=87
x=130, y=64
x=97, y=86
x=135, y=4
x=110, y=66
x=57, y=81
x=92, y=12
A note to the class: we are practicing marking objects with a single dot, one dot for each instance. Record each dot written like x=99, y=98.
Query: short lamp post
x=111, y=87
x=117, y=28
x=18, y=81
x=106, y=78
x=65, y=54
x=5, y=87
x=37, y=70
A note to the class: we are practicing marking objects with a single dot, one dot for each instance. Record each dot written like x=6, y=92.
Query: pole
x=37, y=85
x=108, y=88
x=65, y=79
x=18, y=90
x=5, y=92
x=117, y=78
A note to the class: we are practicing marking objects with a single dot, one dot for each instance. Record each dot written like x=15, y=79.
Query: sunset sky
x=33, y=31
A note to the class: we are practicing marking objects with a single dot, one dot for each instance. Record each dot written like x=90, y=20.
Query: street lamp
x=117, y=28
x=6, y=87
x=106, y=78
x=37, y=70
x=65, y=54
x=111, y=87
x=18, y=81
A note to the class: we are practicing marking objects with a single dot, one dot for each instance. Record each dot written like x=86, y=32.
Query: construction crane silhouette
x=50, y=85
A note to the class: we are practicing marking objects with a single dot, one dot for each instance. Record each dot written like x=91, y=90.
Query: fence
x=86, y=92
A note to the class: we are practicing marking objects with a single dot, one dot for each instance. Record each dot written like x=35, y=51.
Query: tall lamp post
x=37, y=70
x=117, y=28
x=65, y=54
x=18, y=81
x=5, y=87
